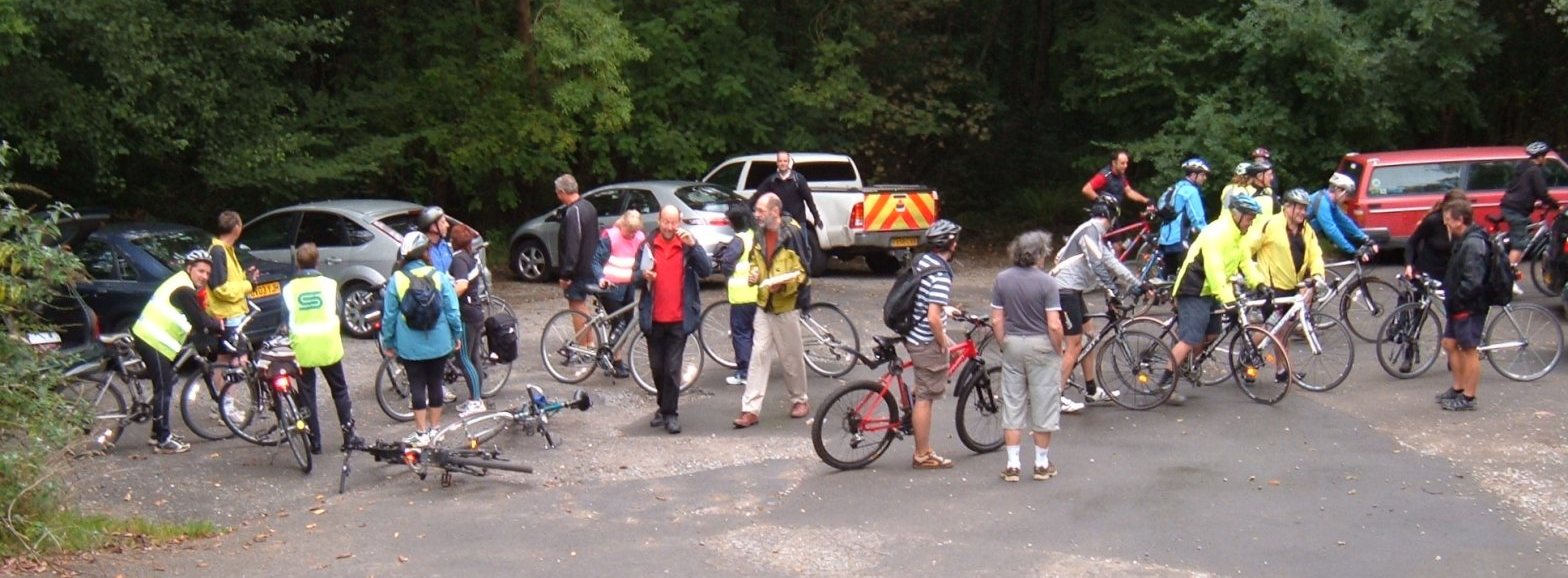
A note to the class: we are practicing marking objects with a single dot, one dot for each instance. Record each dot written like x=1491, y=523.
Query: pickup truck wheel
x=819, y=258
x=882, y=263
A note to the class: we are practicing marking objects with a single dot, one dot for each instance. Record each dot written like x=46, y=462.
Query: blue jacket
x=1332, y=223
x=1188, y=203
x=412, y=344
x=440, y=256
x=698, y=265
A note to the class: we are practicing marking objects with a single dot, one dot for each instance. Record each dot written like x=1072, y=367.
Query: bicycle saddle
x=888, y=341
x=1494, y=219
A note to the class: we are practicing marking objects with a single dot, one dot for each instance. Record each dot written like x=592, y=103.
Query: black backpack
x=1498, y=287
x=421, y=302
x=501, y=336
x=898, y=311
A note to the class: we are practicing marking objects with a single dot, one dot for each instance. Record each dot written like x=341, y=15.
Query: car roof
x=799, y=157
x=664, y=185
x=1415, y=156
x=122, y=228
x=372, y=208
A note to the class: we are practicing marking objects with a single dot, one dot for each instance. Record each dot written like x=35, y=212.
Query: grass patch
x=66, y=532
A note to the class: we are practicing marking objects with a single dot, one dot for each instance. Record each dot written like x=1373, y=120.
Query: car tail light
x=282, y=383
x=715, y=221
x=857, y=216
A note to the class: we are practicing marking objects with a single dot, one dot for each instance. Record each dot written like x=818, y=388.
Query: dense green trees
x=186, y=106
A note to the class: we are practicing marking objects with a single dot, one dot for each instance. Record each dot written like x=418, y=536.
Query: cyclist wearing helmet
x=173, y=317
x=1526, y=189
x=1084, y=264
x=1255, y=183
x=1286, y=252
x=1264, y=155
x=927, y=342
x=1203, y=284
x=1185, y=200
x=433, y=223
x=1110, y=185
x=422, y=353
x=1328, y=219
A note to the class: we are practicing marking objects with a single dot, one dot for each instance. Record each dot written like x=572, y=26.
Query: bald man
x=778, y=268
x=671, y=263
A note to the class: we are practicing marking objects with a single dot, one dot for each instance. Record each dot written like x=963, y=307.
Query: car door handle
x=333, y=260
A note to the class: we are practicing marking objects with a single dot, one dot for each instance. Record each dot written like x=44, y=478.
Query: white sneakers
x=447, y=396
x=735, y=379
x=470, y=407
x=1099, y=395
x=1517, y=289
x=1070, y=406
x=418, y=439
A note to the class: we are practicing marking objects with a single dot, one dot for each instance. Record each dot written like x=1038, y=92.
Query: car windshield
x=708, y=198
x=170, y=247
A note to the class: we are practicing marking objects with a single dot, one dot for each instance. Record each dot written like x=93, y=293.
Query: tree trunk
x=525, y=22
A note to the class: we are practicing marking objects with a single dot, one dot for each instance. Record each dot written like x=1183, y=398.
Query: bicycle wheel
x=472, y=431
x=979, y=414
x=296, y=434
x=493, y=372
x=1260, y=365
x=1129, y=364
x=392, y=391
x=713, y=335
x=1523, y=342
x=568, y=345
x=861, y=419
x=642, y=368
x=1409, y=341
x=199, y=407
x=1366, y=303
x=1330, y=364
x=249, y=413
x=99, y=406
x=1539, y=274
x=483, y=462
x=824, y=331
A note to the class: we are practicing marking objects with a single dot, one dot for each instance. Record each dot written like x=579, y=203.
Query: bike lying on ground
x=456, y=447
x=857, y=423
x=532, y=417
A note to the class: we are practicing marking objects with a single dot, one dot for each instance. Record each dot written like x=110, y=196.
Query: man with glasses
x=1330, y=221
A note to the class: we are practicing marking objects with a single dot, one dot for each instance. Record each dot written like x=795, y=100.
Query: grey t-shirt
x=1024, y=294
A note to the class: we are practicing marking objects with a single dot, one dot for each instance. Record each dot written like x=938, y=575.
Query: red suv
x=1395, y=189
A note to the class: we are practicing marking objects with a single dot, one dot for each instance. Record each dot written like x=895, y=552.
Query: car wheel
x=882, y=263
x=530, y=262
x=359, y=301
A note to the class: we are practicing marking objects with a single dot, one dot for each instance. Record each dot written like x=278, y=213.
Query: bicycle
x=1534, y=249
x=1250, y=348
x=533, y=417
x=866, y=417
x=1321, y=348
x=396, y=396
x=1411, y=337
x=1135, y=357
x=1138, y=242
x=825, y=333
x=467, y=458
x=269, y=390
x=94, y=389
x=573, y=346
x=1364, y=300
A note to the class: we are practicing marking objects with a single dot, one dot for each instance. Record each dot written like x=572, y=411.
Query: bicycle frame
x=1131, y=238
x=959, y=355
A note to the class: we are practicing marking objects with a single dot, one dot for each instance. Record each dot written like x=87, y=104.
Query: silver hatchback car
x=358, y=240
x=703, y=206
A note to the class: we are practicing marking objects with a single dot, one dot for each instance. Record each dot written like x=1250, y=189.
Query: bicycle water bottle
x=538, y=397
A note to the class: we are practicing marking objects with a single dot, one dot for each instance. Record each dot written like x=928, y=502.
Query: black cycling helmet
x=1104, y=211
x=429, y=216
x=942, y=233
x=1258, y=168
x=1537, y=148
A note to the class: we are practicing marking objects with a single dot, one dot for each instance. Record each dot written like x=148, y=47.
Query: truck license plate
x=266, y=290
x=902, y=242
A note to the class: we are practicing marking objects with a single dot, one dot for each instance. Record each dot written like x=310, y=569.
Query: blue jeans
x=741, y=316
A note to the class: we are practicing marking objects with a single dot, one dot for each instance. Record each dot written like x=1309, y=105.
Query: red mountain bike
x=860, y=420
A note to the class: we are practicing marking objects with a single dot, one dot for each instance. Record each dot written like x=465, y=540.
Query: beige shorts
x=930, y=362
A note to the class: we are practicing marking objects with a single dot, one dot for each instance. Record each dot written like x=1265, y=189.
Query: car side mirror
x=556, y=216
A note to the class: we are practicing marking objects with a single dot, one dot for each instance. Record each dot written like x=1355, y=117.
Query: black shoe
x=1281, y=377
x=1458, y=403
x=1448, y=393
x=352, y=441
x=315, y=447
x=658, y=420
x=1405, y=366
x=619, y=370
x=672, y=424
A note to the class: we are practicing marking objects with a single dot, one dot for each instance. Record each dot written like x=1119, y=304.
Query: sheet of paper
x=776, y=279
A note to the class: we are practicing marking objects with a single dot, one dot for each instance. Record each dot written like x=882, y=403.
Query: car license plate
x=266, y=289
x=902, y=242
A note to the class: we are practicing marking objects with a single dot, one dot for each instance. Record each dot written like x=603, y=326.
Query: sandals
x=931, y=461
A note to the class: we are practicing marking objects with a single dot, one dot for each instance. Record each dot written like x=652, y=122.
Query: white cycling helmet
x=1241, y=168
x=198, y=255
x=413, y=241
x=1342, y=181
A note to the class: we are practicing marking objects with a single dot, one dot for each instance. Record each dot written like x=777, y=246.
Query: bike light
x=1143, y=378
x=281, y=383
x=473, y=444
x=1252, y=372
